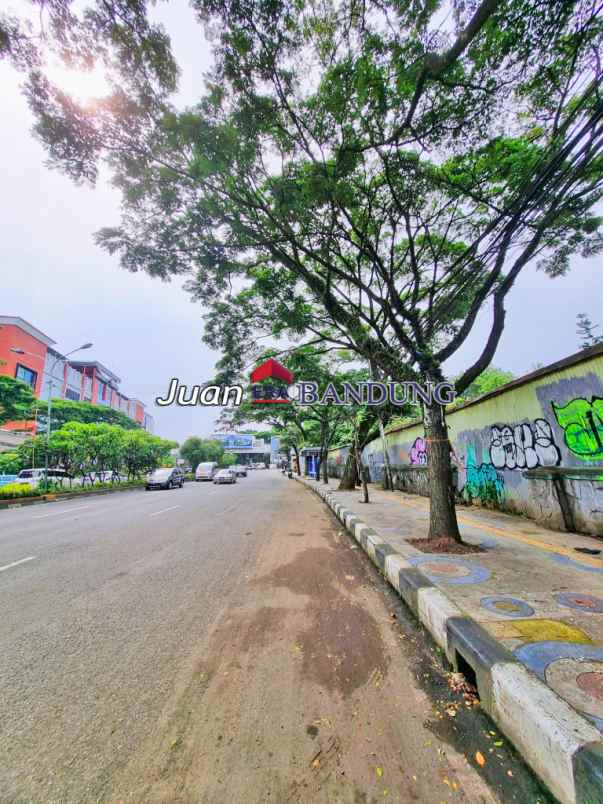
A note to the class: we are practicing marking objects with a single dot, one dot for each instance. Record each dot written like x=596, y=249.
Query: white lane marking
x=66, y=511
x=15, y=563
x=171, y=508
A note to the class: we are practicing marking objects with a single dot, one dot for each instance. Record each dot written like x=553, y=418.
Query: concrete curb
x=562, y=747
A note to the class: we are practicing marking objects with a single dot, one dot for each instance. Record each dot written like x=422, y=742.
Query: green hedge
x=17, y=490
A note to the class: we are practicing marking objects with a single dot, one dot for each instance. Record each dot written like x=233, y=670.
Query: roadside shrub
x=12, y=490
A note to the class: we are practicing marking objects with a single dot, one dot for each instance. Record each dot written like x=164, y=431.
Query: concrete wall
x=533, y=447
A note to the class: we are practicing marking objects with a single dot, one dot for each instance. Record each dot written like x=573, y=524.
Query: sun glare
x=83, y=86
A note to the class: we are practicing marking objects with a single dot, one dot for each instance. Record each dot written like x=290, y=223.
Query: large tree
x=375, y=173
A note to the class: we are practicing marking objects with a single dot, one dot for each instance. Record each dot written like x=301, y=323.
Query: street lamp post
x=51, y=378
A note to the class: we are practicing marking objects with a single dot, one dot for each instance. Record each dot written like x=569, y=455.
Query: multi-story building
x=27, y=354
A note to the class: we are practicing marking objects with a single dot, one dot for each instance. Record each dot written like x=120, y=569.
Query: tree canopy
x=367, y=175
x=197, y=450
x=66, y=410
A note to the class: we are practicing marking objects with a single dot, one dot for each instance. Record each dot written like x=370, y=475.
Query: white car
x=34, y=476
x=206, y=471
x=225, y=476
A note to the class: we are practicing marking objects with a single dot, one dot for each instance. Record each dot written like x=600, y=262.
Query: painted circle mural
x=447, y=569
x=575, y=672
x=579, y=682
x=580, y=602
x=507, y=606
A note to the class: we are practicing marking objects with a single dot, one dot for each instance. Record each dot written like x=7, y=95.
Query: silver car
x=225, y=476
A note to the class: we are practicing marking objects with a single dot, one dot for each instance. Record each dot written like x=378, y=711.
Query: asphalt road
x=220, y=644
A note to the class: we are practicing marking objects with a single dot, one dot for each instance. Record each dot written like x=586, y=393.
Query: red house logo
x=271, y=369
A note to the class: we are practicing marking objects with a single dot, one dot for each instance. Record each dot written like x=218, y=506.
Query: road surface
x=221, y=644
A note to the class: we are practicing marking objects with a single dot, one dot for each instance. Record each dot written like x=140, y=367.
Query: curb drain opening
x=465, y=668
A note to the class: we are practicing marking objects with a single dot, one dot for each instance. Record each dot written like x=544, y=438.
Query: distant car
x=240, y=470
x=260, y=466
x=166, y=478
x=206, y=471
x=225, y=476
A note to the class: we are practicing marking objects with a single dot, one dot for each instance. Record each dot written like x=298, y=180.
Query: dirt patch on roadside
x=304, y=692
x=444, y=546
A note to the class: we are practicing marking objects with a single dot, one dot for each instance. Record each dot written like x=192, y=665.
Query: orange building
x=27, y=354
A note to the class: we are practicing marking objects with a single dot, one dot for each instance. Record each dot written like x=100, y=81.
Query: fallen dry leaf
x=480, y=759
x=316, y=764
x=379, y=772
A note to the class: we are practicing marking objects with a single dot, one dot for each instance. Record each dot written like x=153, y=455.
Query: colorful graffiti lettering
x=418, y=452
x=523, y=446
x=483, y=482
x=582, y=425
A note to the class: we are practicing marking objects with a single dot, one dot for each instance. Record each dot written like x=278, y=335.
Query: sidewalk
x=523, y=619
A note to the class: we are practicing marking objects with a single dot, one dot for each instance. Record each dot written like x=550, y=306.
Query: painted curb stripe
x=410, y=580
x=382, y=551
x=435, y=609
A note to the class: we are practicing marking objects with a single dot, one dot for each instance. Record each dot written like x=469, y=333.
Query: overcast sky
x=147, y=331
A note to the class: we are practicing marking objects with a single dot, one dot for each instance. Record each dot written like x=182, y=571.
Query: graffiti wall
x=526, y=448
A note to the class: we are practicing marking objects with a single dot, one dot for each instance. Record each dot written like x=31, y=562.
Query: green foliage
x=490, y=379
x=16, y=400
x=196, y=450
x=227, y=459
x=10, y=463
x=586, y=331
x=14, y=490
x=377, y=207
x=85, y=450
x=66, y=410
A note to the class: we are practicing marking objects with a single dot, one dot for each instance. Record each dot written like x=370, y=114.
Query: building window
x=71, y=394
x=26, y=375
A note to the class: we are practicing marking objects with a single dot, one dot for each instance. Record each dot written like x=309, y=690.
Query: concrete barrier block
x=434, y=610
x=542, y=726
x=410, y=580
x=393, y=564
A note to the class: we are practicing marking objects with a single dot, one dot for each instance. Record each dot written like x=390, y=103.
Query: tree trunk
x=442, y=511
x=298, y=466
x=349, y=479
x=388, y=482
x=361, y=472
x=324, y=465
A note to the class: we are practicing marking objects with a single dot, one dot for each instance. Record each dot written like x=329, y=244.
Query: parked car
x=240, y=470
x=225, y=476
x=34, y=476
x=206, y=471
x=166, y=478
